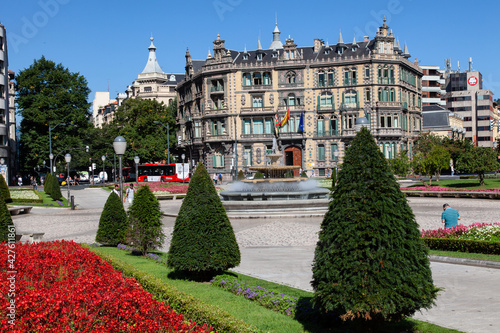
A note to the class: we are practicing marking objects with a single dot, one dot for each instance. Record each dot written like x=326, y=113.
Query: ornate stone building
x=227, y=103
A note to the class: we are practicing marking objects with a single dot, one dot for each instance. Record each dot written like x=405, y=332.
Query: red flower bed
x=62, y=287
x=445, y=189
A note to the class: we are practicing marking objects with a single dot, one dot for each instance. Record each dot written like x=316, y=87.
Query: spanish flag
x=286, y=118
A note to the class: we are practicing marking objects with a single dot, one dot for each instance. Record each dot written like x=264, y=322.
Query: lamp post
x=336, y=156
x=137, y=160
x=183, y=156
x=168, y=138
x=67, y=157
x=119, y=145
x=103, y=158
x=50, y=143
x=114, y=164
x=235, y=152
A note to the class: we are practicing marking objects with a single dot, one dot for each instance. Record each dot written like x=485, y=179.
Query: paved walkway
x=470, y=301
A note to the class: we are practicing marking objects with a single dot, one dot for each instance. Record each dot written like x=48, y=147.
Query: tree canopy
x=478, y=160
x=134, y=120
x=48, y=94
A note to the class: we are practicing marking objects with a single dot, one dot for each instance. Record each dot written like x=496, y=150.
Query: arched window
x=257, y=79
x=247, y=79
x=326, y=99
x=291, y=100
x=334, y=126
x=290, y=77
x=392, y=95
x=267, y=78
x=321, y=79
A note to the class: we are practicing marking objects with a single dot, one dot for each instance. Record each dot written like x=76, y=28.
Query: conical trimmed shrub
x=4, y=190
x=203, y=241
x=113, y=222
x=145, y=226
x=47, y=185
x=55, y=188
x=240, y=175
x=370, y=261
x=5, y=221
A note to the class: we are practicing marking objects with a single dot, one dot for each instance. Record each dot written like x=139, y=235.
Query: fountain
x=275, y=191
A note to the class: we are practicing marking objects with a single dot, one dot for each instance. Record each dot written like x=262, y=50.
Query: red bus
x=152, y=172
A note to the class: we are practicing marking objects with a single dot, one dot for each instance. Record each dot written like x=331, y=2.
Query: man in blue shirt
x=449, y=216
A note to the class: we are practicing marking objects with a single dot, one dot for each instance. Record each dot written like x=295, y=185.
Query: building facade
x=228, y=103
x=8, y=146
x=433, y=86
x=465, y=96
x=442, y=122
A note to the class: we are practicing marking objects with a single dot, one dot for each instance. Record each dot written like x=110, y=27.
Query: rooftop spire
x=276, y=44
x=406, y=54
x=341, y=40
x=152, y=65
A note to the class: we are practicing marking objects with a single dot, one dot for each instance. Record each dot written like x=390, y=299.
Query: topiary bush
x=144, y=219
x=241, y=175
x=258, y=175
x=4, y=190
x=370, y=262
x=5, y=221
x=303, y=174
x=55, y=188
x=203, y=241
x=48, y=183
x=113, y=225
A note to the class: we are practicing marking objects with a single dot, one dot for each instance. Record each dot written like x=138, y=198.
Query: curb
x=465, y=261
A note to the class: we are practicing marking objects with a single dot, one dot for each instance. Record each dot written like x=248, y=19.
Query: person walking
x=129, y=194
x=450, y=216
x=220, y=178
x=116, y=190
x=215, y=178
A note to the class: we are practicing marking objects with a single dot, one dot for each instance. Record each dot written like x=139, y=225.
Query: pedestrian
x=449, y=216
x=33, y=183
x=215, y=178
x=20, y=181
x=129, y=194
x=220, y=178
x=116, y=190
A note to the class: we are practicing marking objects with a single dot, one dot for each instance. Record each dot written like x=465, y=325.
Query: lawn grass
x=471, y=184
x=250, y=312
x=466, y=255
x=47, y=201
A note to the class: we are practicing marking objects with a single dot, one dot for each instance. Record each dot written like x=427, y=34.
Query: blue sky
x=107, y=41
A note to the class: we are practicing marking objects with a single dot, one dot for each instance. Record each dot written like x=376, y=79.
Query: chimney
x=367, y=38
x=317, y=44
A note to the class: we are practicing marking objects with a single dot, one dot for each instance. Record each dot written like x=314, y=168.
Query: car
x=97, y=180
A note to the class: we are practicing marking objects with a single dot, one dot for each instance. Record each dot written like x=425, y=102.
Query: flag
x=285, y=120
x=301, y=123
x=277, y=124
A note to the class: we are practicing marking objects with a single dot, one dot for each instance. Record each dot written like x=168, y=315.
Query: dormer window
x=259, y=56
x=354, y=48
x=340, y=51
x=245, y=57
x=327, y=51
x=275, y=54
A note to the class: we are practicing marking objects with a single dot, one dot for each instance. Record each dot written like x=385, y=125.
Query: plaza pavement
x=470, y=301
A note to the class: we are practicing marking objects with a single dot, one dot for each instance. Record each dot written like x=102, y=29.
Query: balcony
x=258, y=87
x=283, y=108
x=326, y=133
x=291, y=135
x=217, y=138
x=349, y=106
x=217, y=90
x=255, y=136
x=388, y=132
x=257, y=110
x=386, y=80
x=350, y=82
x=386, y=104
x=216, y=112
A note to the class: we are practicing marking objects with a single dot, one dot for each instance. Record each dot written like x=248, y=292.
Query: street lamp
x=50, y=143
x=336, y=156
x=168, y=139
x=183, y=156
x=103, y=158
x=119, y=145
x=137, y=160
x=67, y=157
x=114, y=164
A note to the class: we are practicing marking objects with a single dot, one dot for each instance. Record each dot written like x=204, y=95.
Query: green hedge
x=463, y=245
x=189, y=306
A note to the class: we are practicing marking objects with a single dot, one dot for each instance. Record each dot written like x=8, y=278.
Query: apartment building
x=229, y=102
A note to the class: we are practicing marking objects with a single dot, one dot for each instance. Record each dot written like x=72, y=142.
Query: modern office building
x=433, y=86
x=229, y=102
x=8, y=145
x=466, y=97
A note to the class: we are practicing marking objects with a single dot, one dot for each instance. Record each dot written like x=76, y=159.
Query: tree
x=134, y=120
x=4, y=190
x=370, y=261
x=5, y=220
x=240, y=175
x=430, y=156
x=478, y=160
x=145, y=226
x=203, y=241
x=55, y=188
x=112, y=228
x=48, y=94
x=400, y=165
x=47, y=186
x=432, y=163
